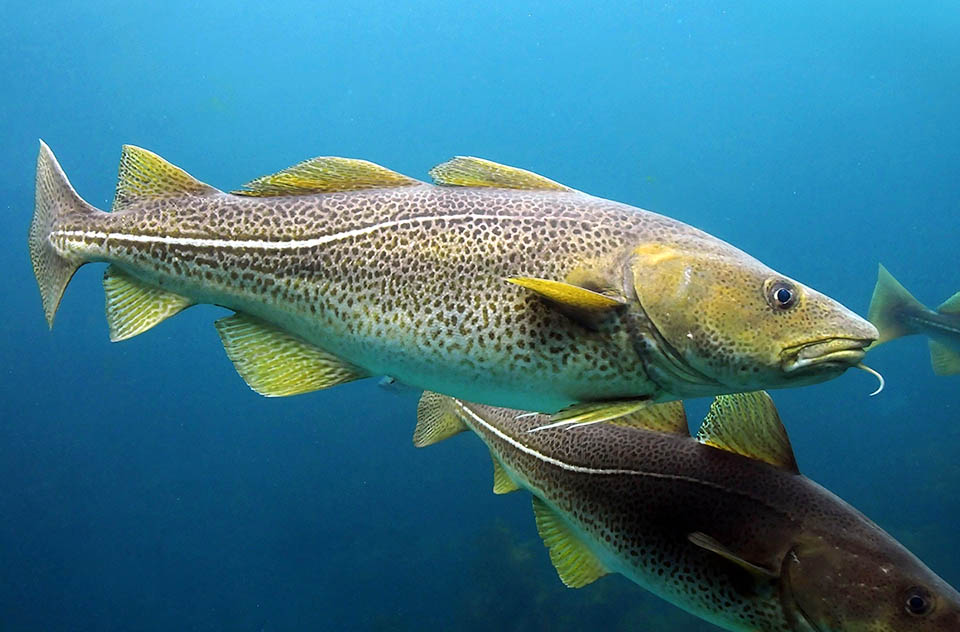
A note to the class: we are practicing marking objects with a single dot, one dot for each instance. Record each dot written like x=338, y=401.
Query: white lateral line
x=266, y=244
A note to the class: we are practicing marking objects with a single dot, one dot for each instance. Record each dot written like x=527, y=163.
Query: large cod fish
x=494, y=285
x=723, y=526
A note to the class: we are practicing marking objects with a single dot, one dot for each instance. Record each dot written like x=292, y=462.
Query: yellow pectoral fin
x=598, y=412
x=437, y=419
x=575, y=563
x=275, y=363
x=133, y=307
x=584, y=306
x=667, y=417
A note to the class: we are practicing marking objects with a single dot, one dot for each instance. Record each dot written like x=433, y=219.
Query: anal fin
x=575, y=563
x=275, y=363
x=945, y=360
x=502, y=483
x=133, y=307
x=437, y=419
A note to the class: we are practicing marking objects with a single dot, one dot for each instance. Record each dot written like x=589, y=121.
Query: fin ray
x=275, y=363
x=437, y=419
x=467, y=171
x=133, y=307
x=55, y=200
x=325, y=174
x=598, y=412
x=145, y=176
x=748, y=424
x=576, y=565
x=669, y=417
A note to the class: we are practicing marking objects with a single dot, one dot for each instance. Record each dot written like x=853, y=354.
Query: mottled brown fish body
x=639, y=500
x=403, y=278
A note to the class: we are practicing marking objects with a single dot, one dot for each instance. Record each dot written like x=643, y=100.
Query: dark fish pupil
x=916, y=603
x=784, y=295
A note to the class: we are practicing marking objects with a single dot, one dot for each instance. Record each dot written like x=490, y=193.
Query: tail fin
x=55, y=200
x=889, y=303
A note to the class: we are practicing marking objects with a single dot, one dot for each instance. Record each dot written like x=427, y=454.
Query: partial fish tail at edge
x=56, y=201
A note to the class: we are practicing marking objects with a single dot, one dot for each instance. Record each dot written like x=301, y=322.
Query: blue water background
x=144, y=486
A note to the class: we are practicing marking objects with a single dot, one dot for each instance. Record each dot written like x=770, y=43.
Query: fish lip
x=833, y=352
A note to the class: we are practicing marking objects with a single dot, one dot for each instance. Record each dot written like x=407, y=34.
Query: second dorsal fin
x=467, y=171
x=748, y=424
x=144, y=175
x=325, y=174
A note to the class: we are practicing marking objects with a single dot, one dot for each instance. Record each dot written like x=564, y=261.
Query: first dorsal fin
x=144, y=175
x=951, y=305
x=748, y=424
x=466, y=171
x=437, y=419
x=575, y=563
x=667, y=417
x=325, y=174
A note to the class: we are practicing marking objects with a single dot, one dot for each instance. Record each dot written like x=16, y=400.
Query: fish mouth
x=830, y=353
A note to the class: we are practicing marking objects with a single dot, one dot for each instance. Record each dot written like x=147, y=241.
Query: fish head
x=839, y=582
x=729, y=320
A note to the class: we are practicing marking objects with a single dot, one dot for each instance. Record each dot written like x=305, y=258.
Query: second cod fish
x=493, y=285
x=896, y=313
x=723, y=526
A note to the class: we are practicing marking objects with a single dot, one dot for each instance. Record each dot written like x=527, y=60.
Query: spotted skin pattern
x=410, y=280
x=635, y=495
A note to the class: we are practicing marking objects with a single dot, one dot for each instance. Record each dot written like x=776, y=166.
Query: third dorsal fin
x=467, y=171
x=144, y=175
x=325, y=174
x=748, y=424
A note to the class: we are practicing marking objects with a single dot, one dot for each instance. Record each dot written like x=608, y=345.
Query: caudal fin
x=890, y=302
x=55, y=201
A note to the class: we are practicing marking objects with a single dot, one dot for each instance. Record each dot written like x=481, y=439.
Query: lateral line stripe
x=562, y=464
x=265, y=244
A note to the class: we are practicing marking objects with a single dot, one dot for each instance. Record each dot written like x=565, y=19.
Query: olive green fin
x=706, y=542
x=574, y=562
x=325, y=174
x=466, y=171
x=502, y=483
x=133, y=307
x=890, y=302
x=584, y=306
x=275, y=363
x=669, y=417
x=945, y=361
x=748, y=424
x=437, y=419
x=597, y=412
x=951, y=305
x=146, y=176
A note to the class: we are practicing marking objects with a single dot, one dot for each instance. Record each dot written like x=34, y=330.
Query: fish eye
x=781, y=295
x=919, y=601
